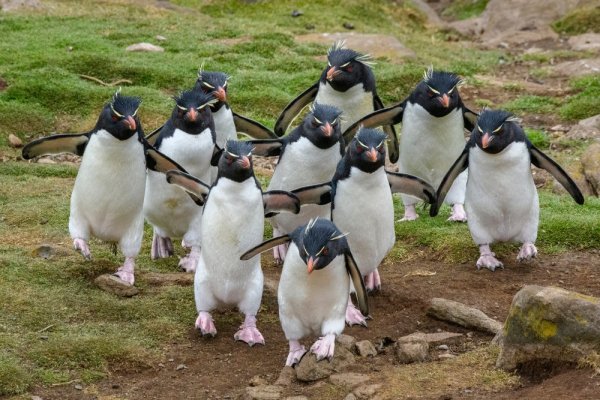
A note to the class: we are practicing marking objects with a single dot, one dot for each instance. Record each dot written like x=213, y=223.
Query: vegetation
x=578, y=21
x=463, y=9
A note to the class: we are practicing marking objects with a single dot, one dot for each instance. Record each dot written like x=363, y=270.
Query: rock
x=432, y=338
x=180, y=367
x=590, y=161
x=576, y=170
x=346, y=341
x=309, y=369
x=348, y=379
x=374, y=44
x=286, y=376
x=14, y=141
x=411, y=351
x=585, y=42
x=44, y=251
x=446, y=356
x=576, y=68
x=258, y=380
x=549, y=324
x=112, y=284
x=443, y=347
x=160, y=38
x=36, y=398
x=348, y=25
x=365, y=348
x=432, y=17
x=144, y=47
x=265, y=392
x=297, y=398
x=16, y=5
x=588, y=128
x=45, y=161
x=78, y=387
x=297, y=13
x=350, y=396
x=365, y=392
x=458, y=313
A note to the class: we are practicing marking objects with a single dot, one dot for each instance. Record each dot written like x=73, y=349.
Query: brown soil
x=222, y=368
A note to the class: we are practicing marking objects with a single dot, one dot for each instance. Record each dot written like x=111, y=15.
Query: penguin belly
x=232, y=222
x=168, y=208
x=303, y=164
x=315, y=303
x=501, y=198
x=429, y=146
x=224, y=126
x=355, y=103
x=364, y=208
x=108, y=193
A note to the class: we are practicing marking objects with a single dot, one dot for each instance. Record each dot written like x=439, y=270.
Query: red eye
x=115, y=118
x=348, y=68
x=229, y=160
x=359, y=149
x=325, y=251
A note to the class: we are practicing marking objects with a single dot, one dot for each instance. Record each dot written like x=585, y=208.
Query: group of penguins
x=329, y=199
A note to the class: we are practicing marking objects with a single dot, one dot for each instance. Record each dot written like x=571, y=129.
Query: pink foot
x=125, y=272
x=205, y=324
x=324, y=347
x=82, y=246
x=248, y=332
x=162, y=247
x=458, y=213
x=373, y=281
x=189, y=262
x=295, y=354
x=527, y=252
x=354, y=316
x=487, y=259
x=410, y=213
x=279, y=252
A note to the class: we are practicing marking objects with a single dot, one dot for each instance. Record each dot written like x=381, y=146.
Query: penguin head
x=438, y=92
x=322, y=126
x=495, y=129
x=319, y=242
x=192, y=112
x=215, y=83
x=119, y=117
x=235, y=162
x=346, y=68
x=367, y=150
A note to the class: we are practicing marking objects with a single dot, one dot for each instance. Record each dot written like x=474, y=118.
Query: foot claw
x=82, y=246
x=527, y=253
x=489, y=261
x=373, y=281
x=204, y=323
x=188, y=263
x=354, y=316
x=249, y=335
x=324, y=347
x=279, y=253
x=294, y=356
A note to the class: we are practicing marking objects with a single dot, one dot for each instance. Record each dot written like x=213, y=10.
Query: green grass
x=463, y=9
x=532, y=104
x=538, y=138
x=585, y=103
x=578, y=21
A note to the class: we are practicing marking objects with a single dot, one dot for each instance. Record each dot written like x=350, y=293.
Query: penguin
x=108, y=193
x=361, y=204
x=314, y=286
x=434, y=120
x=189, y=138
x=501, y=197
x=347, y=83
x=232, y=221
x=307, y=156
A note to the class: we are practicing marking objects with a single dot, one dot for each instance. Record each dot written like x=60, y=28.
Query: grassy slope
x=42, y=55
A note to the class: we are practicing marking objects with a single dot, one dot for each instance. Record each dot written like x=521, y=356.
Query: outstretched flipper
x=319, y=194
x=469, y=118
x=157, y=161
x=541, y=160
x=197, y=189
x=252, y=128
x=276, y=201
x=264, y=246
x=267, y=148
x=411, y=185
x=294, y=108
x=459, y=166
x=55, y=144
x=153, y=136
x=359, y=285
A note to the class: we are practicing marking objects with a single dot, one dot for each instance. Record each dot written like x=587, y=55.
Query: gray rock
x=432, y=338
x=180, y=367
x=112, y=284
x=350, y=396
x=346, y=341
x=446, y=356
x=44, y=251
x=365, y=348
x=576, y=68
x=160, y=38
x=590, y=160
x=78, y=386
x=144, y=47
x=258, y=380
x=585, y=42
x=411, y=351
x=549, y=324
x=432, y=17
x=588, y=128
x=443, y=347
x=266, y=392
x=286, y=376
x=348, y=379
x=36, y=398
x=365, y=392
x=309, y=369
x=15, y=5
x=14, y=141
x=458, y=313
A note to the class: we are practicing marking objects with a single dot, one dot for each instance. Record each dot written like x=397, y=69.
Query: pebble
x=443, y=347
x=297, y=13
x=144, y=47
x=79, y=387
x=14, y=141
x=348, y=25
x=160, y=38
x=180, y=367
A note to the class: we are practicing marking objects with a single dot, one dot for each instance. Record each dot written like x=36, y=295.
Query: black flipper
x=314, y=194
x=267, y=148
x=153, y=136
x=264, y=246
x=294, y=108
x=252, y=128
x=461, y=163
x=214, y=160
x=411, y=185
x=276, y=201
x=390, y=131
x=197, y=189
x=55, y=144
x=469, y=118
x=541, y=160
x=359, y=285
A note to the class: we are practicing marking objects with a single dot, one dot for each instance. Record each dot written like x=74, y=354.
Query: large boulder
x=549, y=324
x=309, y=369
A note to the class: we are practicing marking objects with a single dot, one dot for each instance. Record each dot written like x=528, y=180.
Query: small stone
x=348, y=379
x=160, y=38
x=43, y=337
x=69, y=48
x=443, y=347
x=265, y=392
x=46, y=161
x=79, y=387
x=144, y=47
x=180, y=367
x=346, y=340
x=410, y=352
x=257, y=380
x=171, y=360
x=365, y=348
x=461, y=314
x=432, y=338
x=112, y=284
x=309, y=369
x=350, y=396
x=14, y=141
x=348, y=25
x=44, y=251
x=36, y=398
x=161, y=365
x=297, y=13
x=367, y=391
x=286, y=376
x=446, y=356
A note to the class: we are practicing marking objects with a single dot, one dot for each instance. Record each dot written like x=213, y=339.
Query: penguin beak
x=244, y=162
x=485, y=140
x=372, y=155
x=327, y=129
x=192, y=114
x=130, y=122
x=332, y=73
x=220, y=94
x=311, y=264
x=445, y=100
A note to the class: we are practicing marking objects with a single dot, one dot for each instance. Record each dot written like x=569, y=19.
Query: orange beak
x=244, y=162
x=445, y=100
x=131, y=123
x=220, y=94
x=192, y=114
x=327, y=129
x=485, y=140
x=331, y=73
x=372, y=155
x=311, y=264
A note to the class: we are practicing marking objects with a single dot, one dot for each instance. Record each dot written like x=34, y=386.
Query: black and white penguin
x=347, y=83
x=434, y=120
x=108, y=193
x=189, y=138
x=314, y=286
x=232, y=221
x=362, y=205
x=501, y=197
x=307, y=156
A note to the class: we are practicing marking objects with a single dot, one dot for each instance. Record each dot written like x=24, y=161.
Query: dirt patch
x=3, y=85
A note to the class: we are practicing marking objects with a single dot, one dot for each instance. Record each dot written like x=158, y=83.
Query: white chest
x=355, y=103
x=192, y=152
x=224, y=126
